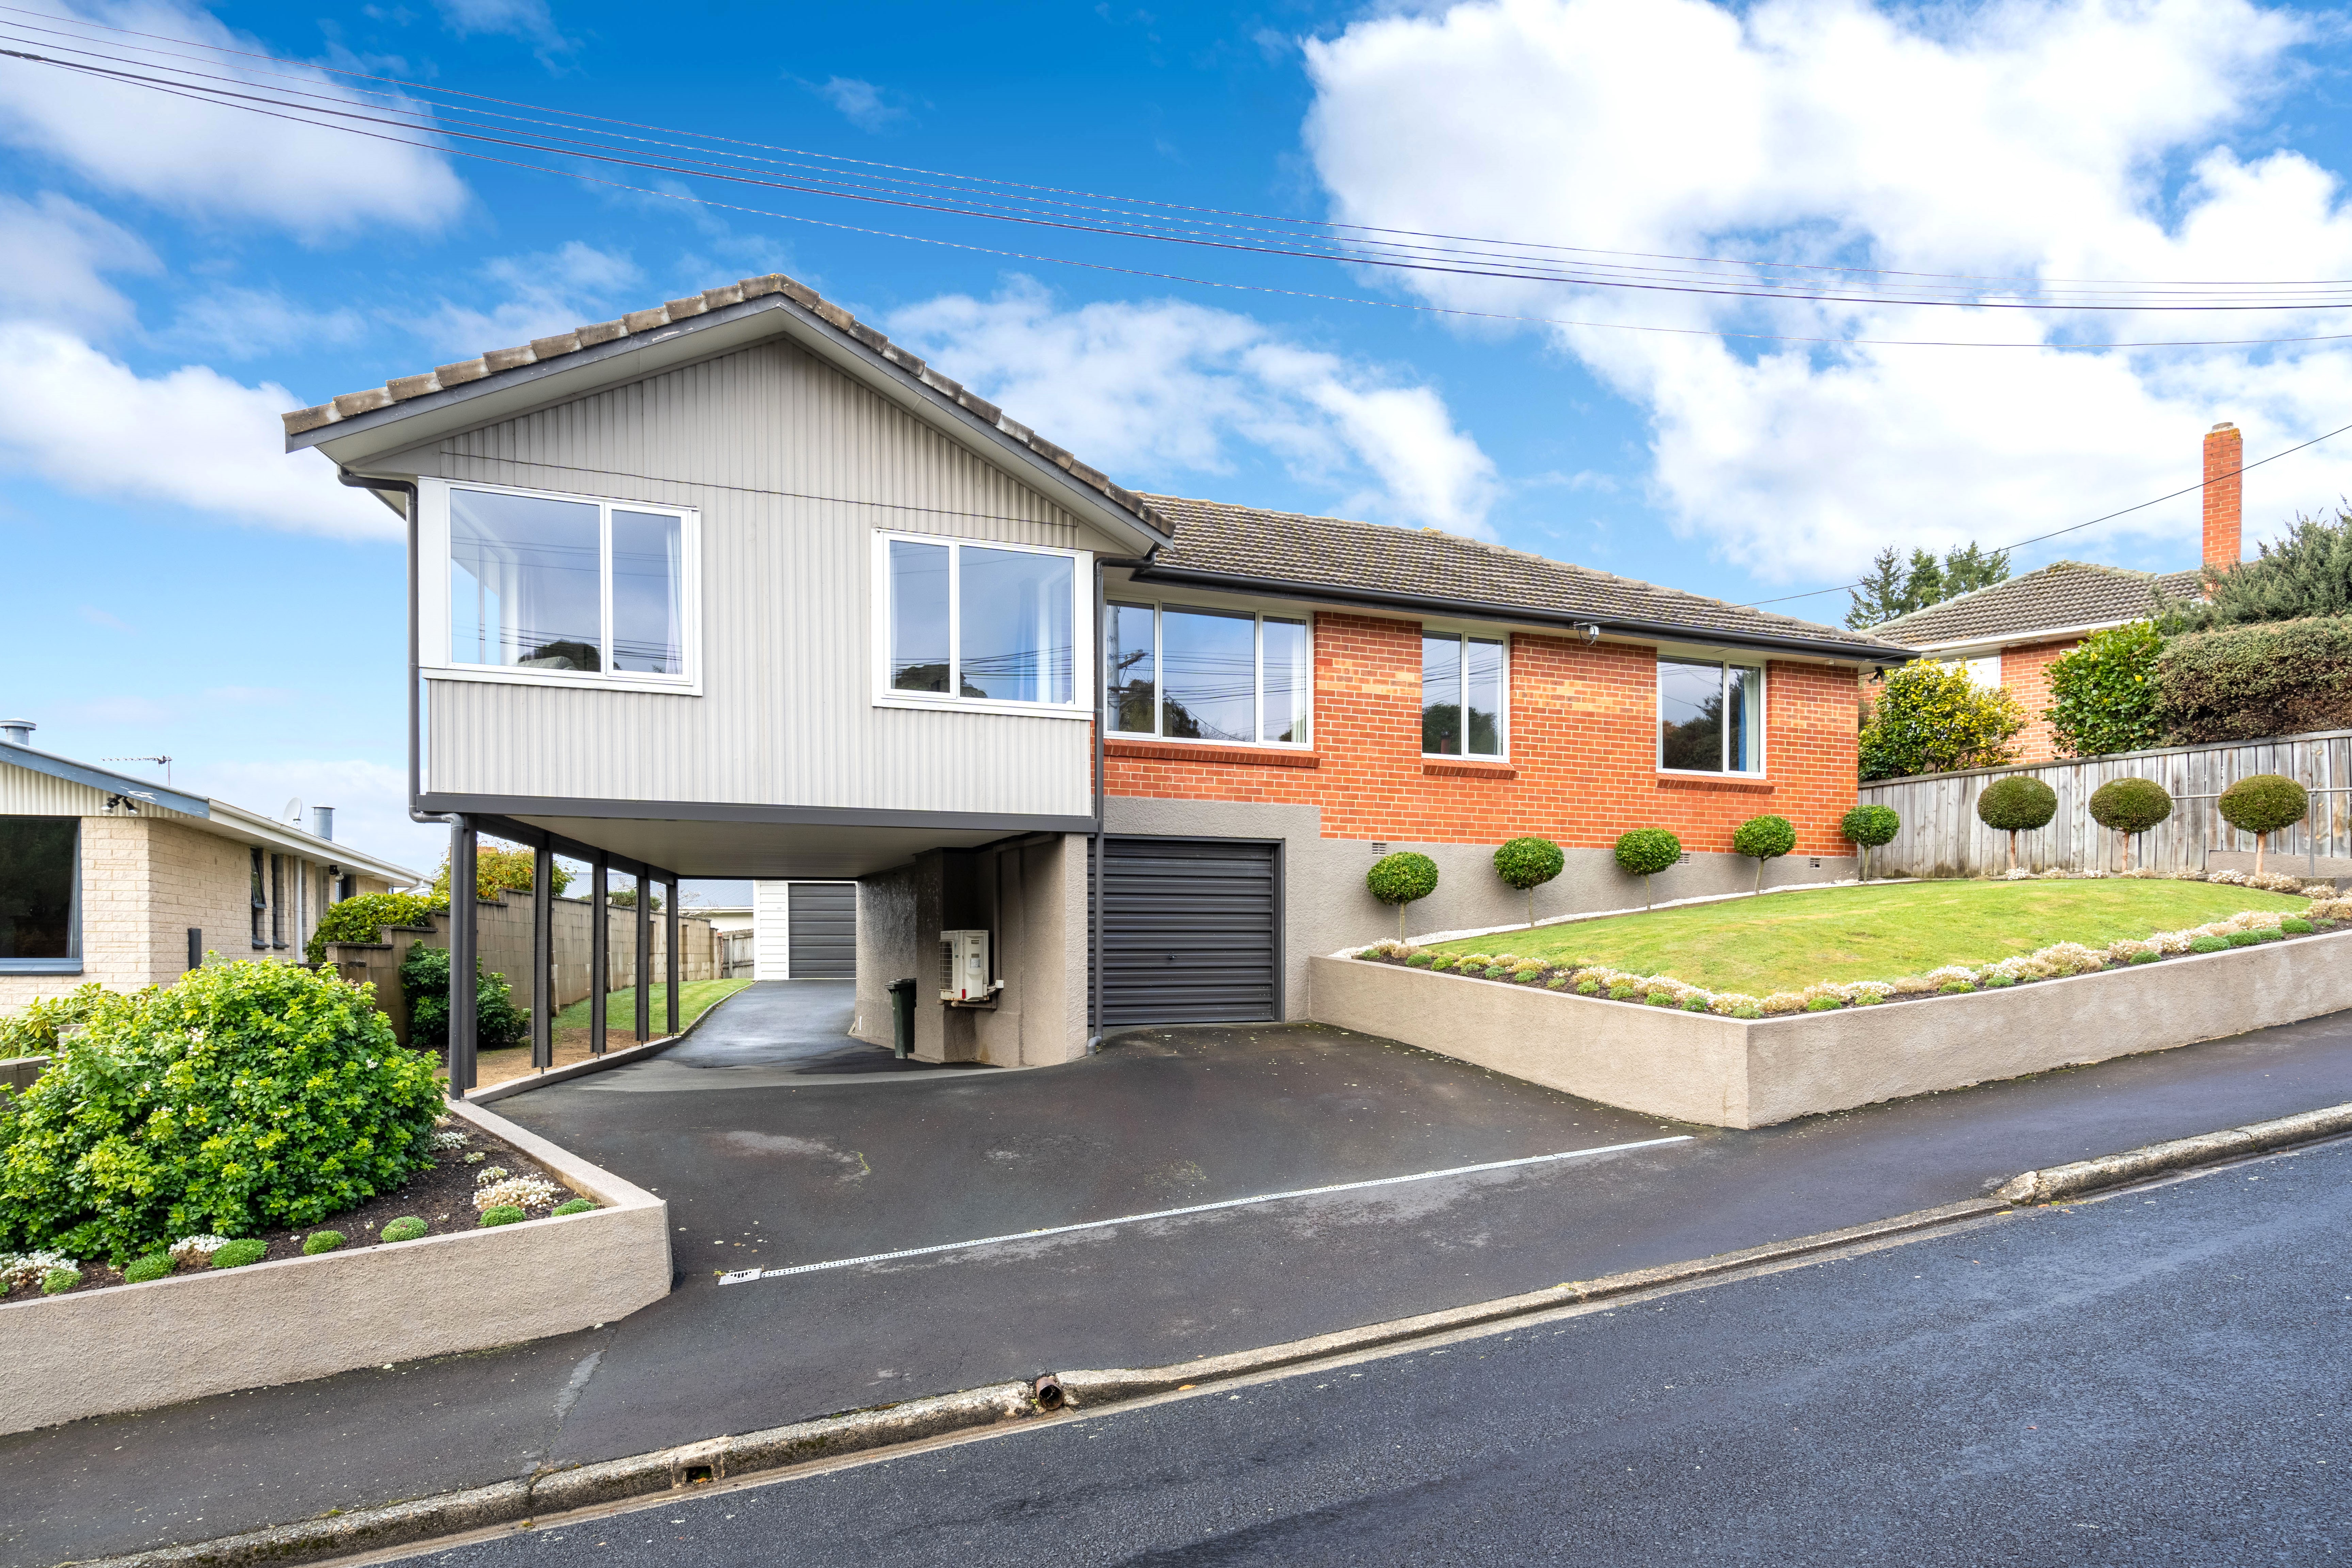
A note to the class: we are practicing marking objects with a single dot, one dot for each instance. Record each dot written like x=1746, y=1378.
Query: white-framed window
x=1710, y=716
x=1186, y=672
x=978, y=625
x=546, y=588
x=1464, y=694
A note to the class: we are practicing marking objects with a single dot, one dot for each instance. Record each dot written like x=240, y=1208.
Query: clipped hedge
x=362, y=918
x=2252, y=682
x=1401, y=878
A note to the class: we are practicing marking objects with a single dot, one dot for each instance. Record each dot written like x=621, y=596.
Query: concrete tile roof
x=442, y=378
x=1330, y=552
x=2063, y=595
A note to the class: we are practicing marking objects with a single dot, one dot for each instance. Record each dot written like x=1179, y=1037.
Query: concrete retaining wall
x=135, y=1347
x=1729, y=1072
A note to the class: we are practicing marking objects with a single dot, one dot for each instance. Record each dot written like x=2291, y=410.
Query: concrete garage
x=805, y=931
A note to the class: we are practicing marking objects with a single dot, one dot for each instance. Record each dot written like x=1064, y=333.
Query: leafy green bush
x=2015, y=804
x=1419, y=959
x=425, y=981
x=1402, y=879
x=362, y=918
x=319, y=1241
x=2144, y=958
x=154, y=1265
x=2293, y=926
x=1926, y=718
x=1646, y=851
x=1528, y=864
x=572, y=1205
x=2262, y=804
x=1823, y=1005
x=247, y=1095
x=1870, y=826
x=2103, y=692
x=2242, y=938
x=237, y=1254
x=34, y=1032
x=2129, y=807
x=57, y=1281
x=501, y=868
x=407, y=1229
x=2207, y=944
x=504, y=1214
x=2252, y=682
x=1762, y=838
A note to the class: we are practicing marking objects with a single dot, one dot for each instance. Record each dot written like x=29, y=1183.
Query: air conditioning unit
x=964, y=966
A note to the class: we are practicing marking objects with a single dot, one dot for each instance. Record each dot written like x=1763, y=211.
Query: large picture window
x=1185, y=674
x=568, y=587
x=1710, y=717
x=40, y=926
x=981, y=622
x=1460, y=695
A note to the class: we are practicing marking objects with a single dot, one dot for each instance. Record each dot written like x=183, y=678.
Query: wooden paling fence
x=1941, y=835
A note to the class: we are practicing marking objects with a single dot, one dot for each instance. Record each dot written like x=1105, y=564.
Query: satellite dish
x=293, y=812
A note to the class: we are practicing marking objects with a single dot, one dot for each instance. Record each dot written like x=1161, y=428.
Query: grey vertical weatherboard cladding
x=787, y=715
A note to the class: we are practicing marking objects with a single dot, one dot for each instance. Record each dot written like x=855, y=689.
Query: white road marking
x=745, y=1276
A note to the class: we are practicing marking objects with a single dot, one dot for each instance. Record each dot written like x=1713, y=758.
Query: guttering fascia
x=2003, y=641
x=140, y=790
x=235, y=820
x=1665, y=631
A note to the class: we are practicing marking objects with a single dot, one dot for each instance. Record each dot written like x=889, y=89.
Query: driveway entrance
x=799, y=1026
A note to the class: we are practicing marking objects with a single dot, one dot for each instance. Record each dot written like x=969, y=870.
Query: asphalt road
x=2157, y=1378
x=826, y=1166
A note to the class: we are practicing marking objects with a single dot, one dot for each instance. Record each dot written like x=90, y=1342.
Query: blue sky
x=172, y=275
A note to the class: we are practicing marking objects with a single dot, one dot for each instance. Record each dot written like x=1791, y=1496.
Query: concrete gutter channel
x=541, y=1497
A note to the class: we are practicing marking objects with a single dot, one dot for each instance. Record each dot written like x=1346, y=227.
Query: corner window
x=40, y=920
x=1710, y=717
x=981, y=623
x=1184, y=674
x=1460, y=695
x=568, y=588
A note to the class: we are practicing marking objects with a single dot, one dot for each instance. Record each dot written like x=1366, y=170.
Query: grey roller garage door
x=821, y=918
x=1191, y=932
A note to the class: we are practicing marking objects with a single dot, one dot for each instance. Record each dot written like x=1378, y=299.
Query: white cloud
x=1153, y=391
x=247, y=323
x=862, y=103
x=2053, y=139
x=551, y=292
x=52, y=251
x=194, y=437
x=370, y=802
x=218, y=161
x=530, y=20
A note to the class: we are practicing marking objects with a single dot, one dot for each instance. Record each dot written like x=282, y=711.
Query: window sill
x=1467, y=768
x=573, y=681
x=1203, y=752
x=1733, y=784
x=978, y=705
x=40, y=966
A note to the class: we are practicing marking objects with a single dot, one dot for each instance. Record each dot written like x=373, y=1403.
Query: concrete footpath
x=785, y=1172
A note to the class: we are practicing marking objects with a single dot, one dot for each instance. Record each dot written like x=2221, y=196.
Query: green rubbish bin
x=902, y=1018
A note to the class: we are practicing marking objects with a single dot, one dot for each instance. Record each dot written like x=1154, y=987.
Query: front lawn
x=1784, y=941
x=695, y=997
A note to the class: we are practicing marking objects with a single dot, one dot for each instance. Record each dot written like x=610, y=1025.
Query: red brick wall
x=1583, y=740
x=2025, y=673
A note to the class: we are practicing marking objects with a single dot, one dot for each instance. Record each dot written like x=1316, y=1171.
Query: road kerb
x=2082, y=1176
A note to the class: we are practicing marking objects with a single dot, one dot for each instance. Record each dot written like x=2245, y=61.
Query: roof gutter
x=1668, y=631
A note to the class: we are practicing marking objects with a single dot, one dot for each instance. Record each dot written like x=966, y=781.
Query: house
x=2009, y=634
x=123, y=882
x=736, y=587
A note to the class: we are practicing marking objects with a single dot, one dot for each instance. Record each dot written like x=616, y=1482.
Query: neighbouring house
x=127, y=883
x=2009, y=634
x=736, y=587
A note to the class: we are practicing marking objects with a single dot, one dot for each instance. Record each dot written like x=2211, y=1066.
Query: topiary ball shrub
x=154, y=1265
x=1645, y=852
x=246, y=1096
x=2207, y=944
x=572, y=1205
x=57, y=1281
x=1528, y=864
x=505, y=1213
x=2262, y=805
x=319, y=1241
x=1401, y=878
x=1870, y=826
x=1762, y=838
x=2129, y=807
x=405, y=1229
x=2016, y=804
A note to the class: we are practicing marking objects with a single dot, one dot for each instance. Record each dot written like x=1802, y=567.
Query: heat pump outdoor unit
x=964, y=966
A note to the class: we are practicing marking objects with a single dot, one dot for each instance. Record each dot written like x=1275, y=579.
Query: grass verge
x=695, y=997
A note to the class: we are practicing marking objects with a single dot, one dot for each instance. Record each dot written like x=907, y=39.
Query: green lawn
x=1784, y=941
x=695, y=997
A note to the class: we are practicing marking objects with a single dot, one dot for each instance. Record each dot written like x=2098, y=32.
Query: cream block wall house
x=118, y=880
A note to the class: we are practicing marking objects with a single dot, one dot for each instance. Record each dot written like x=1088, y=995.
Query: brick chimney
x=2225, y=455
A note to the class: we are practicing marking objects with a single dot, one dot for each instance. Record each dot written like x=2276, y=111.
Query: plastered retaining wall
x=135, y=1347
x=1732, y=1072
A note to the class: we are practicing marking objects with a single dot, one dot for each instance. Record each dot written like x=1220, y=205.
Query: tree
x=2261, y=805
x=2104, y=695
x=1870, y=826
x=1929, y=719
x=2308, y=573
x=502, y=867
x=1646, y=851
x=1528, y=864
x=2129, y=807
x=627, y=899
x=2015, y=804
x=1402, y=879
x=1762, y=838
x=1894, y=587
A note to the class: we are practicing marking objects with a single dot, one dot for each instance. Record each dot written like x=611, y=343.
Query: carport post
x=673, y=957
x=599, y=951
x=642, y=977
x=462, y=948
x=543, y=957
